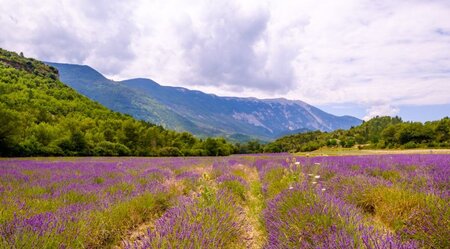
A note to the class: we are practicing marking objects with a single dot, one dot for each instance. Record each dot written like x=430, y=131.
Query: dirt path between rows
x=135, y=236
x=256, y=233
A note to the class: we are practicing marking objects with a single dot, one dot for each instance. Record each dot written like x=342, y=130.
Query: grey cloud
x=223, y=52
x=98, y=33
x=54, y=42
x=112, y=50
x=115, y=52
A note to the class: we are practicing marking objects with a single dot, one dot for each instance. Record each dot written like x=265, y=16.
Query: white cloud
x=381, y=110
x=377, y=54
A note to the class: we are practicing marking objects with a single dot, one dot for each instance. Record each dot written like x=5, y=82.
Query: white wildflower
x=323, y=189
x=314, y=182
x=297, y=163
x=291, y=187
x=317, y=176
x=310, y=174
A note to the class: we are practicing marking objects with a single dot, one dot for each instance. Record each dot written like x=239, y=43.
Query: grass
x=404, y=211
x=108, y=227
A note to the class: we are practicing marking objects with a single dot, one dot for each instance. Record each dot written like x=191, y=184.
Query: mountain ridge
x=42, y=116
x=200, y=113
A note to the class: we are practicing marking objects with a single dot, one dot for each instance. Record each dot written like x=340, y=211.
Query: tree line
x=377, y=133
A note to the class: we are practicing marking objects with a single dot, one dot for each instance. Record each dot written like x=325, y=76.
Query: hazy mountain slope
x=273, y=117
x=121, y=98
x=200, y=113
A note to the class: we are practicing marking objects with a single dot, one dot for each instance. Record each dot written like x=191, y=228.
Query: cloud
x=381, y=110
x=376, y=54
x=98, y=33
x=230, y=50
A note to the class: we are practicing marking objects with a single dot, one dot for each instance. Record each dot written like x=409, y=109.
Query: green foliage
x=106, y=148
x=40, y=116
x=10, y=125
x=170, y=151
x=217, y=147
x=379, y=132
x=250, y=147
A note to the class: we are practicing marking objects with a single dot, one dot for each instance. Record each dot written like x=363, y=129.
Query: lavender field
x=258, y=201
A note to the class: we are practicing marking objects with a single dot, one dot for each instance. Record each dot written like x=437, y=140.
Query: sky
x=349, y=57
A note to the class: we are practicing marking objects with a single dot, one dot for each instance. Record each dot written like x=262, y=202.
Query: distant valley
x=202, y=114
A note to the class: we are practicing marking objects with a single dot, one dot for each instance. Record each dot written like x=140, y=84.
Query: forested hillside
x=379, y=132
x=42, y=116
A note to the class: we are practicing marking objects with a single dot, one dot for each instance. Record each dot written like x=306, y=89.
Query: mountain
x=41, y=116
x=200, y=113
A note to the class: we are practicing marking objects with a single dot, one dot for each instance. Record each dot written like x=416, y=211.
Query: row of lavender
x=209, y=215
x=89, y=202
x=398, y=201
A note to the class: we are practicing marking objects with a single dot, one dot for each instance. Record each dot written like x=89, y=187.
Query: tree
x=210, y=146
x=388, y=134
x=10, y=127
x=130, y=132
x=78, y=141
x=442, y=130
